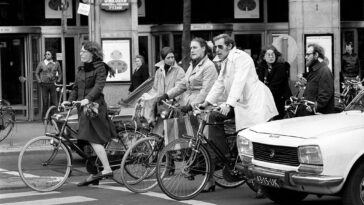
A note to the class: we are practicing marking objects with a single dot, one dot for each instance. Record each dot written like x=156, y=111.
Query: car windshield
x=357, y=103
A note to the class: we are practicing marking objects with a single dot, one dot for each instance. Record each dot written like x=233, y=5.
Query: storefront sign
x=115, y=5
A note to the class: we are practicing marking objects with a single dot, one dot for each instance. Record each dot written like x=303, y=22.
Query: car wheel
x=283, y=196
x=354, y=188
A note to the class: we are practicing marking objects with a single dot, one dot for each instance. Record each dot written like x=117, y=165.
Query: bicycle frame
x=200, y=137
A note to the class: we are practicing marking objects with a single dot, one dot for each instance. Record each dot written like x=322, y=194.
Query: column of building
x=315, y=17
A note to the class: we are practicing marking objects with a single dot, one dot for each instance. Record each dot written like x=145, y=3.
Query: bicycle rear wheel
x=7, y=122
x=139, y=164
x=182, y=173
x=44, y=164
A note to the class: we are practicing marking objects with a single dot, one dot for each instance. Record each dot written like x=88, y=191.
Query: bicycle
x=351, y=88
x=45, y=162
x=48, y=126
x=293, y=104
x=7, y=119
x=141, y=157
x=191, y=167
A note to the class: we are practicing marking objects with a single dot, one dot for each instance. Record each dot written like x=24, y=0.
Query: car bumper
x=310, y=183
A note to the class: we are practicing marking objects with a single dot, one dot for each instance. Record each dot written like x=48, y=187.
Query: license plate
x=267, y=181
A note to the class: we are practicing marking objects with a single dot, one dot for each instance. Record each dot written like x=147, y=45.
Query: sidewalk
x=21, y=134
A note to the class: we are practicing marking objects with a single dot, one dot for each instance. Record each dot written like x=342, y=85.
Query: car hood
x=313, y=126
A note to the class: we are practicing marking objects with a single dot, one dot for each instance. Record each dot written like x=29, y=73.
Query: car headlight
x=310, y=154
x=245, y=146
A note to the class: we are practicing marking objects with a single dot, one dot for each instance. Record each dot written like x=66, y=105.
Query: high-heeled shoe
x=210, y=187
x=88, y=182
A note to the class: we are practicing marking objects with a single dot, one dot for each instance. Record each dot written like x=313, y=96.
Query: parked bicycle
x=45, y=162
x=48, y=126
x=191, y=163
x=295, y=104
x=351, y=88
x=7, y=119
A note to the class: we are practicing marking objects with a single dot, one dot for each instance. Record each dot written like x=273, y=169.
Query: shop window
x=143, y=47
x=278, y=10
x=30, y=13
x=352, y=10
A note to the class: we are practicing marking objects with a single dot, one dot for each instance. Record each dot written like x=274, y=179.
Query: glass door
x=13, y=73
x=250, y=43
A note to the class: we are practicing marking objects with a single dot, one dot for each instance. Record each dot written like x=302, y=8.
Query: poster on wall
x=117, y=54
x=326, y=41
x=246, y=9
x=53, y=9
x=141, y=8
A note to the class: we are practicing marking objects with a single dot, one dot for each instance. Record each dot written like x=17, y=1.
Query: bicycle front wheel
x=182, y=173
x=139, y=164
x=49, y=127
x=7, y=122
x=44, y=163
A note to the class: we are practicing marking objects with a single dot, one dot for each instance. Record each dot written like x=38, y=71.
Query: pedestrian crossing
x=51, y=198
x=22, y=198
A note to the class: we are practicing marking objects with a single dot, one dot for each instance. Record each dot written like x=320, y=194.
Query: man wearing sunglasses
x=47, y=73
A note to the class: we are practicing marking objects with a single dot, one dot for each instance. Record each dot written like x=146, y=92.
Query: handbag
x=174, y=128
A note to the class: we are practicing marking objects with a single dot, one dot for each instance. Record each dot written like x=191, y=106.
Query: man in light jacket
x=245, y=95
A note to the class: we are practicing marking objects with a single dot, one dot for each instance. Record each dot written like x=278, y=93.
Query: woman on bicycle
x=168, y=74
x=273, y=72
x=89, y=83
x=199, y=77
x=195, y=86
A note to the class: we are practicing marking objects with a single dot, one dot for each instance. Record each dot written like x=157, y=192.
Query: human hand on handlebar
x=225, y=109
x=311, y=107
x=65, y=103
x=84, y=102
x=202, y=105
x=164, y=97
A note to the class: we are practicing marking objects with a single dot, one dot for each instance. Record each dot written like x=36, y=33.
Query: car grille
x=276, y=154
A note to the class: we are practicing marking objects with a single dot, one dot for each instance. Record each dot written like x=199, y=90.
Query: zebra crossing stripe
x=54, y=201
x=24, y=194
x=154, y=194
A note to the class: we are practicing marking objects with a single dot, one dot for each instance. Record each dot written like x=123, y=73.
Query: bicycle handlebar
x=72, y=105
x=169, y=104
x=61, y=85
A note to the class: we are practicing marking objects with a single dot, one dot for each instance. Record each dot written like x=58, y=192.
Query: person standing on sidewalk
x=320, y=82
x=88, y=87
x=47, y=73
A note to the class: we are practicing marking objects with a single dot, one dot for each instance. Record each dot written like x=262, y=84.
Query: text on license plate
x=267, y=181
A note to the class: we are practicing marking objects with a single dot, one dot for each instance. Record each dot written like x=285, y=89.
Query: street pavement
x=20, y=135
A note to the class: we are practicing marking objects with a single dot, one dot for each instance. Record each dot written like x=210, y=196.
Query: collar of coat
x=230, y=57
x=202, y=61
x=317, y=65
x=161, y=67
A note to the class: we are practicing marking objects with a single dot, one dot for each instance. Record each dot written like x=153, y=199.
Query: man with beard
x=320, y=81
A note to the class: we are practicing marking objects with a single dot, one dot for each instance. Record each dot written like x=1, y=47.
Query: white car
x=320, y=154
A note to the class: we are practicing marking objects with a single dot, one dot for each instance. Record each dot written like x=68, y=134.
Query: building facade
x=28, y=28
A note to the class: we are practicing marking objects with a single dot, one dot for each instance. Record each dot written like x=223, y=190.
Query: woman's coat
x=197, y=83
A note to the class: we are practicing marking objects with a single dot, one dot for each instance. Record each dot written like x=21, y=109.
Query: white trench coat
x=239, y=85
